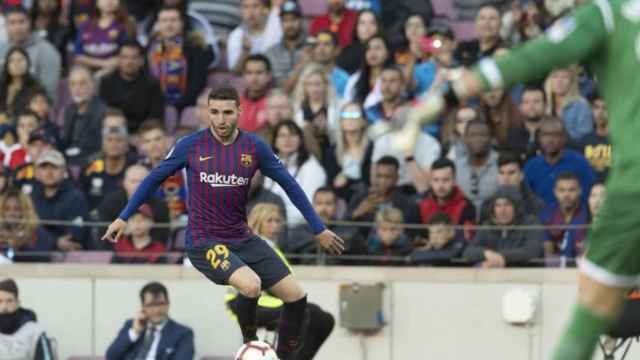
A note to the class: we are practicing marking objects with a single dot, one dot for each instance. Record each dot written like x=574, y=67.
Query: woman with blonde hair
x=564, y=101
x=265, y=220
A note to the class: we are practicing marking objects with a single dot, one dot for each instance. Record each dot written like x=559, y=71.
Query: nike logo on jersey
x=220, y=180
x=205, y=158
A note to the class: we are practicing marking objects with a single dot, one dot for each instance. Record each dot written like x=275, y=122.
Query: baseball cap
x=290, y=7
x=115, y=130
x=441, y=29
x=41, y=134
x=53, y=157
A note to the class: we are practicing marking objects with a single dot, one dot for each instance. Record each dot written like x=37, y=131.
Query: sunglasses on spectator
x=351, y=115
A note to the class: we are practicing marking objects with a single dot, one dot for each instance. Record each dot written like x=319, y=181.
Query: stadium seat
x=89, y=257
x=170, y=119
x=188, y=118
x=313, y=8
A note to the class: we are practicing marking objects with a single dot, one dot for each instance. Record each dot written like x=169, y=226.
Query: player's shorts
x=613, y=243
x=218, y=261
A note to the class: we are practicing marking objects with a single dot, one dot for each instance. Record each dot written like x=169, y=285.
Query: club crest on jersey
x=631, y=10
x=561, y=29
x=246, y=160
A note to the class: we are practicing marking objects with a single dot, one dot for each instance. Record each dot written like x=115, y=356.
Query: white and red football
x=256, y=350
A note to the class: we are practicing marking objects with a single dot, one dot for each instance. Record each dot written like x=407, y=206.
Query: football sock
x=247, y=317
x=581, y=336
x=290, y=331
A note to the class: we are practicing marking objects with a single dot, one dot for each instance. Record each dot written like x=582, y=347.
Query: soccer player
x=605, y=35
x=220, y=162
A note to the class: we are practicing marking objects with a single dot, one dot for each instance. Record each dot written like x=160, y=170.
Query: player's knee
x=252, y=287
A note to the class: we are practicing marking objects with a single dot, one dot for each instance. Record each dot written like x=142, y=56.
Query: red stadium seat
x=313, y=8
x=170, y=119
x=89, y=257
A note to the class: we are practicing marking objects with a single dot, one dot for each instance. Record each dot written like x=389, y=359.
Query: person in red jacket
x=139, y=246
x=445, y=196
x=339, y=20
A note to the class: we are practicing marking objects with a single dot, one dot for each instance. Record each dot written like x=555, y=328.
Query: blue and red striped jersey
x=218, y=178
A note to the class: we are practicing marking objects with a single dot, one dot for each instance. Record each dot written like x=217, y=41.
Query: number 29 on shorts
x=217, y=255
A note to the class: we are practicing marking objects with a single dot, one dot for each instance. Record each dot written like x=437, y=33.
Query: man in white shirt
x=140, y=337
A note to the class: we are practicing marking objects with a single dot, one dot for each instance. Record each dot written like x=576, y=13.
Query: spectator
x=154, y=146
x=595, y=146
x=40, y=104
x=5, y=179
x=9, y=145
x=44, y=60
x=441, y=44
x=138, y=246
x=260, y=30
x=444, y=196
x=389, y=238
x=477, y=170
x=24, y=175
x=15, y=83
x=488, y=32
x=540, y=172
x=21, y=336
x=151, y=334
x=21, y=236
x=524, y=140
x=279, y=109
x=100, y=37
x=178, y=59
x=383, y=192
x=131, y=89
x=367, y=25
x=523, y=22
x=568, y=209
x=505, y=245
x=117, y=200
x=565, y=102
x=258, y=195
x=289, y=145
x=26, y=123
x=412, y=52
x=393, y=86
x=104, y=171
x=453, y=130
x=292, y=53
x=596, y=198
x=364, y=85
x=48, y=24
x=257, y=75
x=82, y=128
x=56, y=199
x=443, y=244
x=325, y=52
x=339, y=20
x=501, y=114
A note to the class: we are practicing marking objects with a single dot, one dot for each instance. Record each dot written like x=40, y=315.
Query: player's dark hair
x=325, y=189
x=225, y=92
x=303, y=152
x=258, y=58
x=440, y=218
x=131, y=43
x=149, y=125
x=507, y=157
x=389, y=161
x=155, y=289
x=567, y=176
x=443, y=163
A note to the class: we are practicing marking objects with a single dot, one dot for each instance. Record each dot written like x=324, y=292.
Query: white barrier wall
x=430, y=313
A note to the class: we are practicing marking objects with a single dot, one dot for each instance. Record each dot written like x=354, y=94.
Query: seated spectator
x=178, y=59
x=392, y=88
x=501, y=114
x=99, y=38
x=21, y=335
x=258, y=195
x=487, y=25
x=383, y=192
x=523, y=22
x=26, y=123
x=260, y=30
x=154, y=147
x=325, y=51
x=477, y=170
x=453, y=129
x=389, y=238
x=279, y=109
x=510, y=174
x=505, y=245
x=44, y=60
x=291, y=54
x=24, y=175
x=524, y=140
x=5, y=179
x=40, y=104
x=568, y=209
x=10, y=149
x=339, y=20
x=257, y=76
x=367, y=25
x=152, y=325
x=113, y=203
x=138, y=246
x=364, y=85
x=82, y=128
x=351, y=160
x=596, y=198
x=46, y=17
x=541, y=171
x=565, y=102
x=315, y=101
x=104, y=171
x=22, y=239
x=265, y=220
x=131, y=89
x=412, y=51
x=55, y=198
x=15, y=83
x=595, y=146
x=443, y=243
x=444, y=196
x=289, y=145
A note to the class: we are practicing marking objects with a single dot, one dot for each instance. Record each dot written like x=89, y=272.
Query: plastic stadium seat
x=89, y=257
x=312, y=8
x=170, y=118
x=464, y=30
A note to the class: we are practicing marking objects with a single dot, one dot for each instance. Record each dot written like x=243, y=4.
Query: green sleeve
x=571, y=39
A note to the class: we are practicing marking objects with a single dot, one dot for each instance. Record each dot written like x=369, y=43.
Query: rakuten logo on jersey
x=219, y=180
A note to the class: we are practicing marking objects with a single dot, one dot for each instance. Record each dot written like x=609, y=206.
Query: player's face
x=154, y=144
x=291, y=26
x=389, y=233
x=503, y=212
x=256, y=76
x=596, y=197
x=510, y=175
x=552, y=139
x=8, y=303
x=532, y=105
x=376, y=53
x=155, y=308
x=440, y=234
x=567, y=193
x=488, y=23
x=442, y=182
x=391, y=85
x=223, y=117
x=325, y=205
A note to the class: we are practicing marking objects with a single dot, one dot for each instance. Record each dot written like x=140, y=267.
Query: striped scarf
x=169, y=65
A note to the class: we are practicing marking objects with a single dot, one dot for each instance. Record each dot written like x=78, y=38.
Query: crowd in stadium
x=94, y=93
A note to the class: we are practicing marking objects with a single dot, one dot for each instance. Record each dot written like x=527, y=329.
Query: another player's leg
x=292, y=318
x=248, y=284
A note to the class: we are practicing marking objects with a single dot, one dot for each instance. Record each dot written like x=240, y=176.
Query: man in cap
x=24, y=174
x=290, y=54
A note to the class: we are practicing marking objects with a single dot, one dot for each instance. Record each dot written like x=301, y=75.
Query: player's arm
x=272, y=167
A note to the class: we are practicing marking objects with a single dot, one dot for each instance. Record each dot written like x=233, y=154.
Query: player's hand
x=331, y=242
x=115, y=231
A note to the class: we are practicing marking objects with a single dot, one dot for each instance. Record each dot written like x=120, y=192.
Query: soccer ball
x=256, y=350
